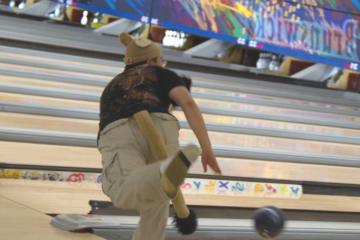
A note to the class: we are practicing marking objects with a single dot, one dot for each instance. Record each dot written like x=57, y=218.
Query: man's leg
x=131, y=184
x=152, y=184
x=146, y=190
x=152, y=222
x=141, y=191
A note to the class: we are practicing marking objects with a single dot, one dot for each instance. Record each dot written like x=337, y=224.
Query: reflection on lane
x=49, y=155
x=276, y=125
x=202, y=102
x=50, y=102
x=272, y=110
x=54, y=72
x=296, y=146
x=271, y=98
x=186, y=135
x=216, y=119
x=18, y=120
x=51, y=84
x=61, y=61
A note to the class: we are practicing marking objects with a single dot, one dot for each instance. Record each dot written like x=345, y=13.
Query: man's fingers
x=217, y=170
x=204, y=163
x=216, y=167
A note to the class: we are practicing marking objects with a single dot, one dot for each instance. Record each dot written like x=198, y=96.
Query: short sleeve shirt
x=138, y=88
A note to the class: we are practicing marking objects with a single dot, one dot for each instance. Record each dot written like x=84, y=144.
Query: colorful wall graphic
x=316, y=30
x=190, y=185
x=240, y=188
x=349, y=6
x=283, y=27
x=137, y=10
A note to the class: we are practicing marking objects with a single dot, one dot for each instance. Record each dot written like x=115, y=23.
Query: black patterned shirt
x=138, y=88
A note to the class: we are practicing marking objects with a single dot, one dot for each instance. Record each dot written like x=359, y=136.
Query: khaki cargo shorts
x=128, y=179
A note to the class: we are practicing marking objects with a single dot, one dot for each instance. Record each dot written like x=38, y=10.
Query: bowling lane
x=48, y=101
x=82, y=157
x=92, y=107
x=81, y=94
x=296, y=146
x=19, y=221
x=48, y=123
x=186, y=135
x=54, y=72
x=48, y=155
x=268, y=124
x=111, y=71
x=58, y=60
x=52, y=84
x=236, y=91
x=273, y=110
x=52, y=197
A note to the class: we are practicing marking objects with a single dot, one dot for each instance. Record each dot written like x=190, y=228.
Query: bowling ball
x=269, y=221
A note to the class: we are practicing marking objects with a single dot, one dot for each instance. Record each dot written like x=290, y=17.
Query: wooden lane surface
x=60, y=197
x=19, y=221
x=247, y=122
x=52, y=197
x=48, y=155
x=91, y=127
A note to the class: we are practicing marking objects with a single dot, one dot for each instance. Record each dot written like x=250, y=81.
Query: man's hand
x=208, y=159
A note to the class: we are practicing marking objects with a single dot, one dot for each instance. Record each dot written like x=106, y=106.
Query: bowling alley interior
x=197, y=119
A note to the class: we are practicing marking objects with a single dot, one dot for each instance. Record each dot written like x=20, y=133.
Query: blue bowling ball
x=269, y=222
